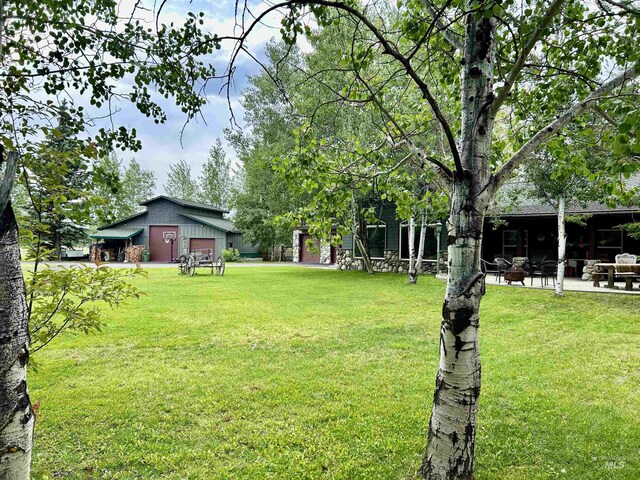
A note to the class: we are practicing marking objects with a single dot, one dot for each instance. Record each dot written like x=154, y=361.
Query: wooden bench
x=628, y=279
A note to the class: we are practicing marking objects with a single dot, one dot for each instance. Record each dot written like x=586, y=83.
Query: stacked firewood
x=133, y=254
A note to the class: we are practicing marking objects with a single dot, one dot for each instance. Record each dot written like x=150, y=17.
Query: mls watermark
x=611, y=463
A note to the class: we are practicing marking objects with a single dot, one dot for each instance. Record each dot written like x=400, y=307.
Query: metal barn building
x=193, y=225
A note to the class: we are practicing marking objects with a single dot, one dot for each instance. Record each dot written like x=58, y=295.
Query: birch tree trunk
x=365, y=256
x=562, y=246
x=413, y=276
x=357, y=240
x=450, y=452
x=423, y=236
x=16, y=415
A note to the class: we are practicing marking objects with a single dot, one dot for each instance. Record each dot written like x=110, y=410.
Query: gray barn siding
x=244, y=247
x=163, y=212
x=141, y=220
x=202, y=231
x=142, y=238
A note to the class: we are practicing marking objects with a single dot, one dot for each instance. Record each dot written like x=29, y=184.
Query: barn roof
x=219, y=223
x=186, y=203
x=122, y=220
x=523, y=205
x=121, y=233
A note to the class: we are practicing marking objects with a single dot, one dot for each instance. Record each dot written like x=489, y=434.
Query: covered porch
x=116, y=244
x=598, y=237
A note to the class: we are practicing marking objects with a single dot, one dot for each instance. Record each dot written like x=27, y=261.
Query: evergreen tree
x=58, y=186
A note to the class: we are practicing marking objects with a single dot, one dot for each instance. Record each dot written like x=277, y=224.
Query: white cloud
x=165, y=144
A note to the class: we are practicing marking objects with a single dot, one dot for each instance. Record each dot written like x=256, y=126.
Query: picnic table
x=612, y=268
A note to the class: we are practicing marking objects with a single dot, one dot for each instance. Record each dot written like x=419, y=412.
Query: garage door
x=158, y=250
x=305, y=255
x=202, y=244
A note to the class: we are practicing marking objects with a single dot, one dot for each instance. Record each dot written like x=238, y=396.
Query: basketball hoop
x=169, y=237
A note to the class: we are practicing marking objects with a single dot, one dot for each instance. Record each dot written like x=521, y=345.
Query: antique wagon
x=200, y=258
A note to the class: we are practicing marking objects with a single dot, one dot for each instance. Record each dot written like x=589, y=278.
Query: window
x=510, y=243
x=430, y=244
x=609, y=240
x=377, y=241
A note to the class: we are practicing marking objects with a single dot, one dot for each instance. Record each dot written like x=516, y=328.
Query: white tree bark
x=413, y=276
x=450, y=452
x=17, y=418
x=423, y=235
x=562, y=246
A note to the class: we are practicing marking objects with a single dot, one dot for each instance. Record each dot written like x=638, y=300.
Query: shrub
x=231, y=255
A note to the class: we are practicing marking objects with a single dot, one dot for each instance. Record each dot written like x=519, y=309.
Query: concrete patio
x=571, y=284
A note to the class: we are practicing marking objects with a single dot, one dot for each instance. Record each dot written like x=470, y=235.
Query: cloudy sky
x=165, y=144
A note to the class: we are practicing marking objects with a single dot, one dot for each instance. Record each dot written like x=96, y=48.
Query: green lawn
x=292, y=373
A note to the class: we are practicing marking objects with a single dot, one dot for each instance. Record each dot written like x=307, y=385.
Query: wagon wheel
x=220, y=266
x=182, y=266
x=191, y=265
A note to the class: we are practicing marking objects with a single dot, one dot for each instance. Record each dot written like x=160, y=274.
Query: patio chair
x=626, y=258
x=544, y=270
x=491, y=268
x=534, y=266
x=503, y=262
x=627, y=275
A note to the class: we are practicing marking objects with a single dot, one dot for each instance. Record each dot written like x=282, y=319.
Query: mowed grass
x=297, y=373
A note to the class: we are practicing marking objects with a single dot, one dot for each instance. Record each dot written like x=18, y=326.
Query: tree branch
x=599, y=110
x=524, y=54
x=440, y=169
x=448, y=35
x=625, y=5
x=559, y=123
x=388, y=48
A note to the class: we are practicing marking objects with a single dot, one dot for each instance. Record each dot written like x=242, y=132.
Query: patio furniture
x=515, y=274
x=492, y=268
x=627, y=270
x=497, y=267
x=534, y=266
x=504, y=263
x=544, y=270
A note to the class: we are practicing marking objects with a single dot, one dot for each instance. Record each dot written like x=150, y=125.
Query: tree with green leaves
x=180, y=183
x=339, y=197
x=216, y=180
x=125, y=188
x=55, y=49
x=575, y=171
x=460, y=67
x=58, y=185
x=265, y=197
